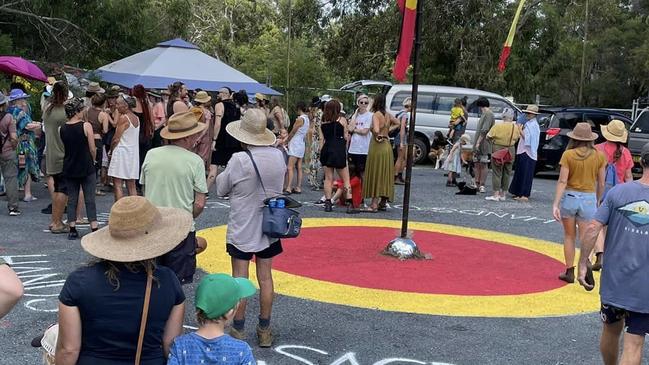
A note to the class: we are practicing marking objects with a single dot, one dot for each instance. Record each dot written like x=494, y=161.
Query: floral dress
x=313, y=163
x=26, y=146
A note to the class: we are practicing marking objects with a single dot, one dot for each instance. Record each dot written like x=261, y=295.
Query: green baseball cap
x=216, y=294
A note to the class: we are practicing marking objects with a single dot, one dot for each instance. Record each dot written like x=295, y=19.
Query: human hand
x=213, y=145
x=585, y=275
x=556, y=213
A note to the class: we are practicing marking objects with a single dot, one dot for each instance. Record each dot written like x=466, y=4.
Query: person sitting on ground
x=101, y=307
x=437, y=149
x=217, y=300
x=357, y=188
x=11, y=288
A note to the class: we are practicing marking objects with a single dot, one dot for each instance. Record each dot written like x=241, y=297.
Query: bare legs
x=211, y=176
x=293, y=164
x=610, y=345
x=117, y=188
x=569, y=238
x=240, y=269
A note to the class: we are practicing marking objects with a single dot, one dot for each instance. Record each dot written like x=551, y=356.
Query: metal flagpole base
x=404, y=249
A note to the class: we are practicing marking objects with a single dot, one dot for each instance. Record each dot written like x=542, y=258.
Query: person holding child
x=218, y=297
x=457, y=124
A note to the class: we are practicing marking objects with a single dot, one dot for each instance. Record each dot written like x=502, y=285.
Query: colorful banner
x=507, y=48
x=409, y=10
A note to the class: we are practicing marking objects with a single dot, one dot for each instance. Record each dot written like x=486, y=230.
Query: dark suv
x=555, y=124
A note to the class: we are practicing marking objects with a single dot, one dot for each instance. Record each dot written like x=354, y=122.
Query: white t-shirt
x=360, y=144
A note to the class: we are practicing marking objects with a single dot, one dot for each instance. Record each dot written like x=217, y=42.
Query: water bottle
x=272, y=203
x=281, y=203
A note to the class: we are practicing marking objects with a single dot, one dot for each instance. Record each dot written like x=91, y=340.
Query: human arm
x=68, y=344
x=588, y=241
x=104, y=119
x=343, y=122
x=87, y=130
x=376, y=124
x=402, y=130
x=199, y=204
x=218, y=115
x=225, y=180
x=601, y=182
x=560, y=190
x=321, y=136
x=299, y=122
x=173, y=327
x=278, y=118
x=122, y=126
x=11, y=289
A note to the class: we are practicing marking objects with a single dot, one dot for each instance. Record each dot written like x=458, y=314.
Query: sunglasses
x=363, y=102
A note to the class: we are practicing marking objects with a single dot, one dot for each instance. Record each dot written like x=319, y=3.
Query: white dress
x=125, y=162
x=297, y=144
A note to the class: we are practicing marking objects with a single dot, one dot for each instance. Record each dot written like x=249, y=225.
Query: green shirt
x=55, y=151
x=171, y=175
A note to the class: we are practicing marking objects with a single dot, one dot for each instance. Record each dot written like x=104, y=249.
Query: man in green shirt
x=173, y=176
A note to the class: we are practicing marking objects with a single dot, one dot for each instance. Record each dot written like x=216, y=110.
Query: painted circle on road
x=473, y=272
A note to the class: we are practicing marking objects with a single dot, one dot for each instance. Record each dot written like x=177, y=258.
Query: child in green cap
x=217, y=299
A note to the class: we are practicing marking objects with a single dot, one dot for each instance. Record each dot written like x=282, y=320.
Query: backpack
x=611, y=178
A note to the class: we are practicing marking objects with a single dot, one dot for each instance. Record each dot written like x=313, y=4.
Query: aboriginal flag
x=507, y=48
x=408, y=9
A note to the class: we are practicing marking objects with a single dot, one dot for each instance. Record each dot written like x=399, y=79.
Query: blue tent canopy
x=178, y=60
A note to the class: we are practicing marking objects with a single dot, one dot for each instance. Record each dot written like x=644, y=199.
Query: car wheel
x=420, y=150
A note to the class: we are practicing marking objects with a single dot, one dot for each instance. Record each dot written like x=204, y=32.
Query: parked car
x=638, y=137
x=434, y=108
x=555, y=124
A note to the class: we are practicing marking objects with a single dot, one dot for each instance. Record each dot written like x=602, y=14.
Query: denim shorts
x=575, y=204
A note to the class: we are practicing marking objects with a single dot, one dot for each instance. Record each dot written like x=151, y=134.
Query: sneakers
x=265, y=337
x=239, y=335
x=28, y=199
x=482, y=189
x=492, y=198
x=568, y=276
x=328, y=206
x=14, y=212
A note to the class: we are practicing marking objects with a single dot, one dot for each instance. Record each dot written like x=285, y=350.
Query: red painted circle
x=460, y=265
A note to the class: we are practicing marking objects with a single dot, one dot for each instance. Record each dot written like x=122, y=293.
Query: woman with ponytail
x=618, y=158
x=144, y=113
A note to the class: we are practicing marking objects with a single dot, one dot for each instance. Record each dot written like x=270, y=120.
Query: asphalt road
x=312, y=332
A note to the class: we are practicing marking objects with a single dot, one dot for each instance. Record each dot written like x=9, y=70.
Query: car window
x=544, y=120
x=642, y=123
x=425, y=101
x=445, y=103
x=596, y=120
x=497, y=106
x=567, y=120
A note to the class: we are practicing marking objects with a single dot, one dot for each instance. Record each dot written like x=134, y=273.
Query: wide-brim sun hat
x=94, y=87
x=532, y=109
x=137, y=230
x=202, y=97
x=184, y=124
x=17, y=94
x=615, y=131
x=260, y=96
x=251, y=129
x=582, y=132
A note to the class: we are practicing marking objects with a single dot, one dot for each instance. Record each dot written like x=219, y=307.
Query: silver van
x=434, y=108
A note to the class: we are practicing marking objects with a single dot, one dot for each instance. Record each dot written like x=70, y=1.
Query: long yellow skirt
x=379, y=171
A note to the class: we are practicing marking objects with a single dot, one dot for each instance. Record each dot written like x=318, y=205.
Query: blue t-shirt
x=111, y=318
x=625, y=275
x=193, y=349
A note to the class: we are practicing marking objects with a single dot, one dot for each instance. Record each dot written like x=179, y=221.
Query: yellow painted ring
x=567, y=300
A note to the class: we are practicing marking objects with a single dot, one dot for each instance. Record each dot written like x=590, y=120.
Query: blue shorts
x=634, y=323
x=575, y=204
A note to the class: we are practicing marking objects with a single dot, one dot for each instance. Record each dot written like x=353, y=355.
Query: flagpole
x=403, y=246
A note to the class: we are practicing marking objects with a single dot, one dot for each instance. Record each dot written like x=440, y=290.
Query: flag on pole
x=507, y=48
x=409, y=10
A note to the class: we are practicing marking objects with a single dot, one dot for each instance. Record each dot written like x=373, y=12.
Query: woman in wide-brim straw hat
x=619, y=157
x=101, y=305
x=244, y=237
x=580, y=187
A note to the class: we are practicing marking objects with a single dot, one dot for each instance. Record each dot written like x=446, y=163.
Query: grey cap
x=3, y=99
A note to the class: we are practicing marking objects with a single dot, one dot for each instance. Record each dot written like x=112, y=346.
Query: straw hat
x=251, y=129
x=137, y=230
x=94, y=87
x=181, y=125
x=615, y=131
x=582, y=132
x=260, y=96
x=532, y=109
x=202, y=97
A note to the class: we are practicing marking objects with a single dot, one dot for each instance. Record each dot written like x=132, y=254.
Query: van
x=434, y=108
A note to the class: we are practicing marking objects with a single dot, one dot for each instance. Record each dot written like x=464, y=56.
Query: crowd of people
x=168, y=148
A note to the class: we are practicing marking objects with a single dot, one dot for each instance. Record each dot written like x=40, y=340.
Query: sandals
x=370, y=210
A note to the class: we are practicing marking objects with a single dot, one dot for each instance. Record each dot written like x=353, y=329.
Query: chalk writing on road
x=311, y=356
x=478, y=212
x=42, y=284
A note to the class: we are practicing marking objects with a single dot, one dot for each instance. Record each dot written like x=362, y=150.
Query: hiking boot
x=265, y=337
x=239, y=335
x=568, y=276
